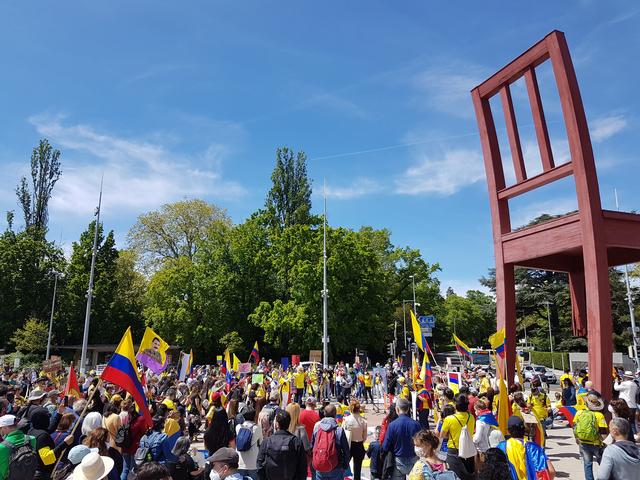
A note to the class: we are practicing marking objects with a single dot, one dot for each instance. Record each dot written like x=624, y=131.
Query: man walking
x=331, y=455
x=589, y=428
x=399, y=440
x=19, y=446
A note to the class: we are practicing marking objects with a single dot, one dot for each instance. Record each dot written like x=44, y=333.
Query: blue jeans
x=127, y=465
x=403, y=467
x=335, y=474
x=588, y=454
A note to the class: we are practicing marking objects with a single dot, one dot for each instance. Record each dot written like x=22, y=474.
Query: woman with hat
x=93, y=467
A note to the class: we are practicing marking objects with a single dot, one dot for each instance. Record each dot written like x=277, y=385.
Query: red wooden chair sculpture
x=585, y=243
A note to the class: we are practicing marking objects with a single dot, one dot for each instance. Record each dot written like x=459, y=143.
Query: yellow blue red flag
x=462, y=347
x=121, y=370
x=497, y=341
x=153, y=352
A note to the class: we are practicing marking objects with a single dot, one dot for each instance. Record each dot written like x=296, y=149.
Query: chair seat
x=557, y=244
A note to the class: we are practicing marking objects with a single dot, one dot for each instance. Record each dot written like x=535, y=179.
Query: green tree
x=27, y=266
x=174, y=231
x=104, y=327
x=232, y=341
x=289, y=200
x=32, y=337
x=34, y=198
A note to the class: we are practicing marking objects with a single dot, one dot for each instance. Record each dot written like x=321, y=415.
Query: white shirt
x=627, y=390
x=248, y=459
x=357, y=425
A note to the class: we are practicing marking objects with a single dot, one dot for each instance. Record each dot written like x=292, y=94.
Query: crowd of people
x=297, y=422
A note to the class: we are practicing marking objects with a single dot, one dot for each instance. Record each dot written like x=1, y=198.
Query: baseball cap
x=77, y=453
x=224, y=455
x=515, y=422
x=7, y=420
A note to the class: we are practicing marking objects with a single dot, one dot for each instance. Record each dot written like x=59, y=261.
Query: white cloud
x=447, y=87
x=359, y=188
x=444, y=174
x=606, y=127
x=138, y=174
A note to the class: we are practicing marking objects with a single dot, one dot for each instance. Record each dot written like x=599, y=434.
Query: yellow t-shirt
x=298, y=379
x=563, y=376
x=485, y=383
x=452, y=426
x=539, y=405
x=368, y=380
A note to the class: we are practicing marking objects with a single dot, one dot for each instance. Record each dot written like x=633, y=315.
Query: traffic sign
x=427, y=321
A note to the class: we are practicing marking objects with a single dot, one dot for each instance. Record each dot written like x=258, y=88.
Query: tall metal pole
x=415, y=306
x=404, y=320
x=53, y=307
x=325, y=290
x=87, y=315
x=632, y=313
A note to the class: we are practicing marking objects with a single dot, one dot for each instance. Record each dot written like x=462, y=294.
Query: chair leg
x=578, y=302
x=506, y=314
x=599, y=323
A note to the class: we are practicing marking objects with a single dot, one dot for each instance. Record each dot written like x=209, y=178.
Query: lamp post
x=53, y=307
x=547, y=303
x=413, y=284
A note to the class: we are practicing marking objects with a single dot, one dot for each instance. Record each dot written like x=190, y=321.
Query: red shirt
x=472, y=403
x=309, y=418
x=138, y=429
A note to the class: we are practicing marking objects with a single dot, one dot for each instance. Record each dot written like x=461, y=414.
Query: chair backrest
x=553, y=48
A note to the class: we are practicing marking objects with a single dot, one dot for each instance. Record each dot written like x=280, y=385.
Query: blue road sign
x=427, y=321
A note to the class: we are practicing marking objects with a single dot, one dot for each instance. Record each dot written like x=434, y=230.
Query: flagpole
x=325, y=290
x=87, y=315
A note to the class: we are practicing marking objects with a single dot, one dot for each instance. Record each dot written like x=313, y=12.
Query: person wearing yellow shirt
x=566, y=374
x=451, y=429
x=589, y=428
x=540, y=406
x=299, y=383
x=368, y=386
x=485, y=383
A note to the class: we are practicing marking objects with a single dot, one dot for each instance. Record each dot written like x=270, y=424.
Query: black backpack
x=123, y=436
x=23, y=461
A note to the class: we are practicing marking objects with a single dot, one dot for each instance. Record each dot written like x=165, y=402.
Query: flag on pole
x=226, y=363
x=497, y=341
x=72, y=389
x=462, y=347
x=153, y=352
x=185, y=365
x=426, y=375
x=121, y=371
x=255, y=353
x=417, y=333
x=236, y=363
x=503, y=403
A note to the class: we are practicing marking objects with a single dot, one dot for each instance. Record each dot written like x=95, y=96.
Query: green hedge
x=544, y=358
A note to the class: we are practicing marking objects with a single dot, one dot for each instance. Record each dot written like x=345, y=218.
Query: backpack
x=23, y=461
x=429, y=474
x=243, y=439
x=325, y=451
x=585, y=428
x=637, y=391
x=149, y=449
x=123, y=436
x=466, y=447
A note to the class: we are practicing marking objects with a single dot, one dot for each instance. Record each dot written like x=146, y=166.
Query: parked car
x=548, y=375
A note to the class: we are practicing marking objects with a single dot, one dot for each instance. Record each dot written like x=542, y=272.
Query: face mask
x=610, y=408
x=419, y=451
x=214, y=475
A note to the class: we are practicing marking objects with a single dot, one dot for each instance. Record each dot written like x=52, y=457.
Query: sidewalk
x=563, y=452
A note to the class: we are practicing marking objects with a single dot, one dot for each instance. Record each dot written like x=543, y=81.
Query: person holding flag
x=153, y=352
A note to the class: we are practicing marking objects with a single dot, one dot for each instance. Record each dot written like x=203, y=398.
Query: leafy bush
x=544, y=358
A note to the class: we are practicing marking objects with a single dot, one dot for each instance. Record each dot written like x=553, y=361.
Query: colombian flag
x=426, y=374
x=454, y=381
x=497, y=341
x=255, y=353
x=121, y=371
x=570, y=412
x=462, y=347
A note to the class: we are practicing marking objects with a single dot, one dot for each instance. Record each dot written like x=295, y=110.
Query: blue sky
x=191, y=99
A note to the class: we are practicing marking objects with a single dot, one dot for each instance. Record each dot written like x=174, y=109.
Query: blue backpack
x=244, y=437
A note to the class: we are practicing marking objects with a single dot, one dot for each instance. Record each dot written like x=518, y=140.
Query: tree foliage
x=34, y=198
x=175, y=230
x=32, y=337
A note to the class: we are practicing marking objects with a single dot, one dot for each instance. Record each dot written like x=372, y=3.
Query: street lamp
x=413, y=284
x=53, y=307
x=547, y=303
